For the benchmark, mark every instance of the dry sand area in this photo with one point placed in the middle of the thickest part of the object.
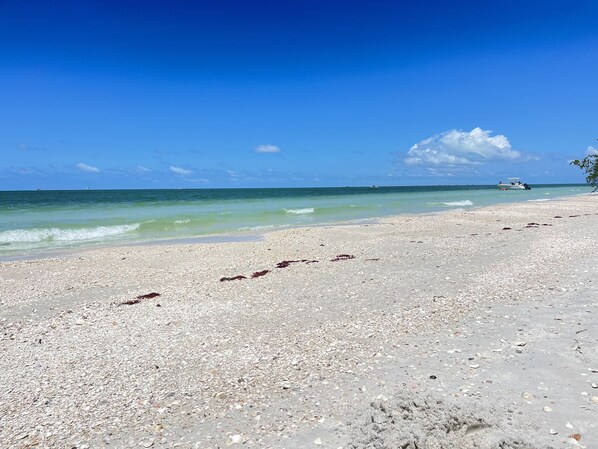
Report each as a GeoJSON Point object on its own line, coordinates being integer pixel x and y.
{"type": "Point", "coordinates": [465, 329]}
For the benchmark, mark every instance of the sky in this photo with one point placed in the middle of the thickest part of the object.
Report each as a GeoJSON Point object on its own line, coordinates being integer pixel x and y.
{"type": "Point", "coordinates": [295, 93]}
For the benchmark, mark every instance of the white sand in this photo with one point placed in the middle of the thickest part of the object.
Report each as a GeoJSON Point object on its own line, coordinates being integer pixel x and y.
{"type": "Point", "coordinates": [490, 334]}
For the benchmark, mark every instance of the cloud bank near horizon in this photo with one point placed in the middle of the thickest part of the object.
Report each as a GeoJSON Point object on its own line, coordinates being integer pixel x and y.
{"type": "Point", "coordinates": [267, 149]}
{"type": "Point", "coordinates": [457, 150]}
{"type": "Point", "coordinates": [87, 168]}
{"type": "Point", "coordinates": [179, 170]}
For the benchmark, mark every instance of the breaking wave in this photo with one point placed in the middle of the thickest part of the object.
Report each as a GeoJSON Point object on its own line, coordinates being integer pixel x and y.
{"type": "Point", "coordinates": [64, 235]}
{"type": "Point", "coordinates": [459, 203]}
{"type": "Point", "coordinates": [306, 210]}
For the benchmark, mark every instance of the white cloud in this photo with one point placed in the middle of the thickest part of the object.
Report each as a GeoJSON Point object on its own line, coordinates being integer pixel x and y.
{"type": "Point", "coordinates": [591, 150]}
{"type": "Point", "coordinates": [180, 170]}
{"type": "Point", "coordinates": [462, 149]}
{"type": "Point", "coordinates": [87, 168]}
{"type": "Point", "coordinates": [267, 149]}
{"type": "Point", "coordinates": [142, 169]}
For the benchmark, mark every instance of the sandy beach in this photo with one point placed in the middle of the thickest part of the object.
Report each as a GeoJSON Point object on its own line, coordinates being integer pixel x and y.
{"type": "Point", "coordinates": [464, 329]}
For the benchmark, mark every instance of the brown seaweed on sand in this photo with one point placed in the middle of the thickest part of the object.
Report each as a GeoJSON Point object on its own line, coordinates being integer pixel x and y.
{"type": "Point", "coordinates": [506, 228]}
{"type": "Point", "coordinates": [138, 299]}
{"type": "Point", "coordinates": [286, 263]}
{"type": "Point", "coordinates": [234, 278]}
{"type": "Point", "coordinates": [258, 274]}
{"type": "Point", "coordinates": [148, 295]}
{"type": "Point", "coordinates": [343, 257]}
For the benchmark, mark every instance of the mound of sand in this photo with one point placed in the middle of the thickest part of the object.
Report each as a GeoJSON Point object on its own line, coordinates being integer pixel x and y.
{"type": "Point", "coordinates": [412, 422]}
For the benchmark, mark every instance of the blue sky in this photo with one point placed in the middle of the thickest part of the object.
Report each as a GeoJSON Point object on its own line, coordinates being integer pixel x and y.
{"type": "Point", "coordinates": [142, 94]}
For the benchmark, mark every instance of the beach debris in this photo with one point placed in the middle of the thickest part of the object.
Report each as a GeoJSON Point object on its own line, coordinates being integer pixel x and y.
{"type": "Point", "coordinates": [342, 257]}
{"type": "Point", "coordinates": [546, 224]}
{"type": "Point", "coordinates": [575, 436]}
{"type": "Point", "coordinates": [318, 441]}
{"type": "Point", "coordinates": [149, 295]}
{"type": "Point", "coordinates": [258, 274]}
{"type": "Point", "coordinates": [506, 228]}
{"type": "Point", "coordinates": [547, 408]}
{"type": "Point", "coordinates": [533, 224]}
{"type": "Point", "coordinates": [373, 259]}
{"type": "Point", "coordinates": [528, 396]}
{"type": "Point", "coordinates": [234, 278]}
{"type": "Point", "coordinates": [236, 439]}
{"type": "Point", "coordinates": [594, 384]}
{"type": "Point", "coordinates": [552, 432]}
{"type": "Point", "coordinates": [138, 299]}
{"type": "Point", "coordinates": [569, 425]}
{"type": "Point", "coordinates": [573, 216]}
{"type": "Point", "coordinates": [594, 399]}
{"type": "Point", "coordinates": [286, 263]}
{"type": "Point", "coordinates": [557, 216]}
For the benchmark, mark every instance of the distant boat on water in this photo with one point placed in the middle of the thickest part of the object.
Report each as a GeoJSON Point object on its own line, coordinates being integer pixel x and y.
{"type": "Point", "coordinates": [513, 184]}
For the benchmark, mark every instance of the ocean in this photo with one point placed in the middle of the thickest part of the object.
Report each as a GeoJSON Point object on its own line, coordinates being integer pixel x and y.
{"type": "Point", "coordinates": [34, 223]}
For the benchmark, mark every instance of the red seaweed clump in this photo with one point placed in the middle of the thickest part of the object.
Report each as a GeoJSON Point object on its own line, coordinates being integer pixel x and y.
{"type": "Point", "coordinates": [148, 295]}
{"type": "Point", "coordinates": [234, 278]}
{"type": "Point", "coordinates": [138, 299]}
{"type": "Point", "coordinates": [286, 263]}
{"type": "Point", "coordinates": [343, 257]}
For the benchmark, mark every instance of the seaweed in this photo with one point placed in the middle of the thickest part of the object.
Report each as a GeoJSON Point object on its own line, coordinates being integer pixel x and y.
{"type": "Point", "coordinates": [286, 263]}
{"type": "Point", "coordinates": [138, 299]}
{"type": "Point", "coordinates": [148, 295]}
{"type": "Point", "coordinates": [234, 278]}
{"type": "Point", "coordinates": [342, 257]}
{"type": "Point", "coordinates": [258, 274]}
{"type": "Point", "coordinates": [506, 228]}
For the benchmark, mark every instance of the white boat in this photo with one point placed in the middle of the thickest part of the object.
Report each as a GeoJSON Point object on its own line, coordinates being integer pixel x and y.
{"type": "Point", "coordinates": [513, 184]}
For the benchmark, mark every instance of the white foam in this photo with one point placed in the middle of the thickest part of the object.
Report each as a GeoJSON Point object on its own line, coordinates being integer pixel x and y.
{"type": "Point", "coordinates": [307, 210]}
{"type": "Point", "coordinates": [540, 199]}
{"type": "Point", "coordinates": [181, 221]}
{"type": "Point", "coordinates": [63, 235]}
{"type": "Point", "coordinates": [458, 203]}
{"type": "Point", "coordinates": [256, 228]}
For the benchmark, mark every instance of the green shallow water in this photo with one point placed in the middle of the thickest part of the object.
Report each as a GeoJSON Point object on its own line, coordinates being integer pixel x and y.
{"type": "Point", "coordinates": [37, 221]}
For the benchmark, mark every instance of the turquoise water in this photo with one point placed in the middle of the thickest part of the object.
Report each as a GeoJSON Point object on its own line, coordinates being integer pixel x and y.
{"type": "Point", "coordinates": [37, 221]}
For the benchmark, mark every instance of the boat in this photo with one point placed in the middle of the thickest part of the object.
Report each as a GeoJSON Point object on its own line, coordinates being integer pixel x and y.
{"type": "Point", "coordinates": [513, 184]}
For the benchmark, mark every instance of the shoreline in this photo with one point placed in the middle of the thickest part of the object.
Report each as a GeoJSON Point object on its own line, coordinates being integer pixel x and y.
{"type": "Point", "coordinates": [295, 357]}
{"type": "Point", "coordinates": [243, 235]}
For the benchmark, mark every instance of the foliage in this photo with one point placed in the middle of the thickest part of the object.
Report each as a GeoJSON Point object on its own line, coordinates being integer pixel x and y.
{"type": "Point", "coordinates": [589, 165]}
